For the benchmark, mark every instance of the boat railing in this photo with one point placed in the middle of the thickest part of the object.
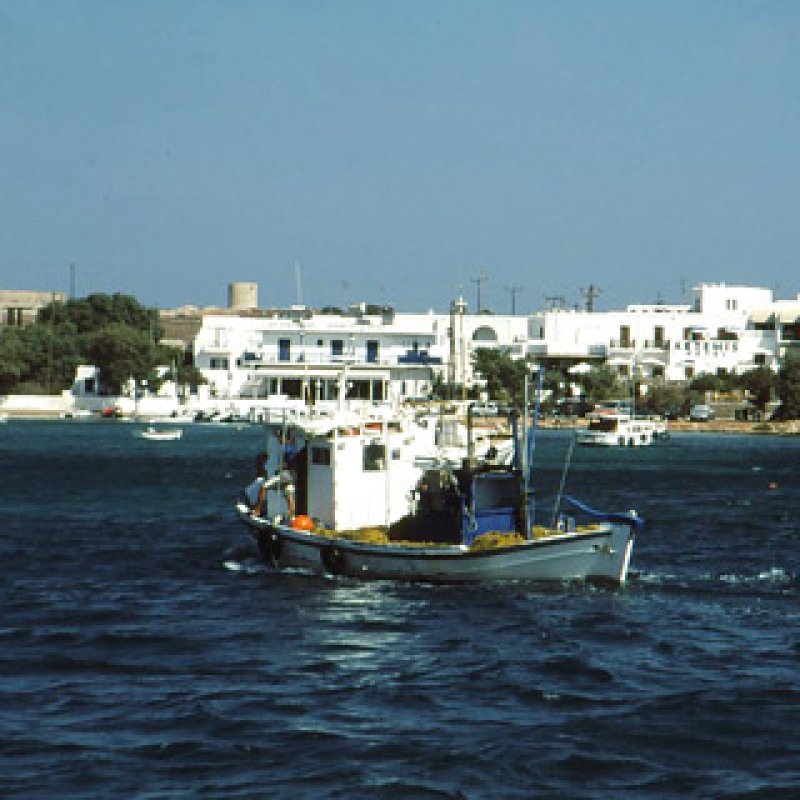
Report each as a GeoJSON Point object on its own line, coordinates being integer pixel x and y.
{"type": "Point", "coordinates": [626, 517]}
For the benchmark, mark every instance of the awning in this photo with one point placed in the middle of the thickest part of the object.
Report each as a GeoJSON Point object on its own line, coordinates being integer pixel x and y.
{"type": "Point", "coordinates": [760, 317]}
{"type": "Point", "coordinates": [580, 369]}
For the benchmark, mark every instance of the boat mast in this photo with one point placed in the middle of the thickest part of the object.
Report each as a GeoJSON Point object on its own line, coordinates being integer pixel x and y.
{"type": "Point", "coordinates": [529, 443]}
{"type": "Point", "coordinates": [526, 528]}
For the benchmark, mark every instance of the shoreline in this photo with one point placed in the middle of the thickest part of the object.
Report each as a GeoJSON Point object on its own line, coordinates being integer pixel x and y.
{"type": "Point", "coordinates": [789, 428]}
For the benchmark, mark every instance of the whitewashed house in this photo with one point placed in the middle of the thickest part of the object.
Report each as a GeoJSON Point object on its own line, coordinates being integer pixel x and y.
{"type": "Point", "coordinates": [674, 342]}
{"type": "Point", "coordinates": [299, 354]}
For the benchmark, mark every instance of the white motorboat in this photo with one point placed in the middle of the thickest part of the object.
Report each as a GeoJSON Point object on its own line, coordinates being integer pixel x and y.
{"type": "Point", "coordinates": [156, 435]}
{"type": "Point", "coordinates": [610, 429]}
{"type": "Point", "coordinates": [368, 506]}
{"type": "Point", "coordinates": [76, 413]}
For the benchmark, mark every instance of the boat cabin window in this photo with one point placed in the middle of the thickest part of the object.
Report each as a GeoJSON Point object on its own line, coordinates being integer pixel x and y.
{"type": "Point", "coordinates": [321, 455]}
{"type": "Point", "coordinates": [605, 425]}
{"type": "Point", "coordinates": [496, 492]}
{"type": "Point", "coordinates": [374, 457]}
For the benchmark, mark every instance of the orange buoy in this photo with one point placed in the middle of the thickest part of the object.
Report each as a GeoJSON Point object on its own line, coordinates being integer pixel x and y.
{"type": "Point", "coordinates": [302, 523]}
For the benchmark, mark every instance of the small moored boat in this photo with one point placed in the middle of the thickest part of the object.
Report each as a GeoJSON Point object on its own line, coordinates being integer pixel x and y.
{"type": "Point", "coordinates": [610, 429]}
{"type": "Point", "coordinates": [156, 435]}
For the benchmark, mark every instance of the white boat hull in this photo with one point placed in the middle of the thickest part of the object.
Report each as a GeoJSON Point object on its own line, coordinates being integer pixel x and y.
{"type": "Point", "coordinates": [602, 554]}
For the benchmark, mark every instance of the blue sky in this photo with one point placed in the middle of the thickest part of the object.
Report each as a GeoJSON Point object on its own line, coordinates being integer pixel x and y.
{"type": "Point", "coordinates": [395, 149]}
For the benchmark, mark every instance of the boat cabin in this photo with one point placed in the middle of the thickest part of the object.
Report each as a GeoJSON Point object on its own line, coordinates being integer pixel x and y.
{"type": "Point", "coordinates": [351, 475]}
{"type": "Point", "coordinates": [456, 506]}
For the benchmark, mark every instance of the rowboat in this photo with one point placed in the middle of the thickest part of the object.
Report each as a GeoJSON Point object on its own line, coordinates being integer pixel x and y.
{"type": "Point", "coordinates": [156, 435]}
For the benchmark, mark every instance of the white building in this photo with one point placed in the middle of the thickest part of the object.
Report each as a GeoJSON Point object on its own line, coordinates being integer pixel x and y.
{"type": "Point", "coordinates": [676, 342]}
{"type": "Point", "coordinates": [299, 355]}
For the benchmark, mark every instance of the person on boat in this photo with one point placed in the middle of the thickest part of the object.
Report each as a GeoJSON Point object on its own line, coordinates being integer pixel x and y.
{"type": "Point", "coordinates": [288, 465]}
{"type": "Point", "coordinates": [257, 491]}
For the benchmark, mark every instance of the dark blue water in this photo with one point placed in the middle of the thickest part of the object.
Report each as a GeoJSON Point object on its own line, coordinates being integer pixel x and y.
{"type": "Point", "coordinates": [145, 653]}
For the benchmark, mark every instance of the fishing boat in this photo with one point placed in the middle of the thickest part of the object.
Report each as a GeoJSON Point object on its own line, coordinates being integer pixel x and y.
{"type": "Point", "coordinates": [370, 504]}
{"type": "Point", "coordinates": [156, 435]}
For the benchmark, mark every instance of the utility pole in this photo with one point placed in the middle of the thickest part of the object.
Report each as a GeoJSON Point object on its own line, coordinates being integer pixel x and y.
{"type": "Point", "coordinates": [479, 280]}
{"type": "Point", "coordinates": [513, 290]}
{"type": "Point", "coordinates": [297, 281]}
{"type": "Point", "coordinates": [590, 294]}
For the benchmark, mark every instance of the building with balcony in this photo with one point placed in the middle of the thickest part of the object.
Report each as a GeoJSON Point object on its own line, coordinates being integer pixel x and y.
{"type": "Point", "coordinates": [673, 342]}
{"type": "Point", "coordinates": [300, 354]}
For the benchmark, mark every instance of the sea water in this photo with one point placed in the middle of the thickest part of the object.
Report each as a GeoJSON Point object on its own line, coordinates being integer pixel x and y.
{"type": "Point", "coordinates": [145, 652]}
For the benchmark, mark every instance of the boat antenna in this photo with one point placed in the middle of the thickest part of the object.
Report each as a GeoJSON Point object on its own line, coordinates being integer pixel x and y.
{"type": "Point", "coordinates": [560, 492]}
{"type": "Point", "coordinates": [526, 528]}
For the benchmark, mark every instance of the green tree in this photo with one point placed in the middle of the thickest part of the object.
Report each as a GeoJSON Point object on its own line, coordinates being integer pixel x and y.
{"type": "Point", "coordinates": [705, 383]}
{"type": "Point", "coordinates": [789, 387]}
{"type": "Point", "coordinates": [663, 397]}
{"type": "Point", "coordinates": [122, 352]}
{"type": "Point", "coordinates": [505, 377]}
{"type": "Point", "coordinates": [88, 314]}
{"type": "Point", "coordinates": [13, 363]}
{"type": "Point", "coordinates": [599, 384]}
{"type": "Point", "coordinates": [760, 383]}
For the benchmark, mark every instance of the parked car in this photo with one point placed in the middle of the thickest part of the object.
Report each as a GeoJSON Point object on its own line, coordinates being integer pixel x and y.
{"type": "Point", "coordinates": [701, 413]}
{"type": "Point", "coordinates": [488, 409]}
{"type": "Point", "coordinates": [572, 408]}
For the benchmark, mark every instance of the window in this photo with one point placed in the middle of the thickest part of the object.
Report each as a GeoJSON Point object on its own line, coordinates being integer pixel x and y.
{"type": "Point", "coordinates": [372, 351]}
{"type": "Point", "coordinates": [284, 350]}
{"type": "Point", "coordinates": [321, 456]}
{"type": "Point", "coordinates": [14, 317]}
{"type": "Point", "coordinates": [374, 457]}
{"type": "Point", "coordinates": [624, 336]}
{"type": "Point", "coordinates": [760, 359]}
{"type": "Point", "coordinates": [337, 348]}
{"type": "Point", "coordinates": [219, 363]}
{"type": "Point", "coordinates": [292, 387]}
